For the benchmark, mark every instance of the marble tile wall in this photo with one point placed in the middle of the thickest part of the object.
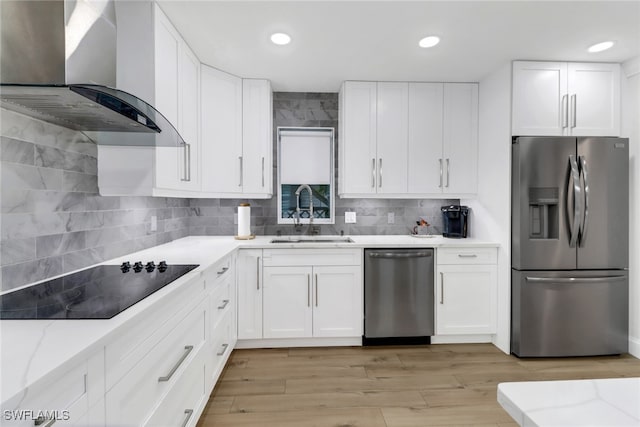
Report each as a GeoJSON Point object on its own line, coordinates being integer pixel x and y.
{"type": "Point", "coordinates": [52, 219]}
{"type": "Point", "coordinates": [216, 217]}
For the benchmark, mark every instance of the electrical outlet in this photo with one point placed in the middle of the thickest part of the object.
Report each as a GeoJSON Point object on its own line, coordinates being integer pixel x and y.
{"type": "Point", "coordinates": [391, 218]}
{"type": "Point", "coordinates": [154, 223]}
{"type": "Point", "coordinates": [349, 217]}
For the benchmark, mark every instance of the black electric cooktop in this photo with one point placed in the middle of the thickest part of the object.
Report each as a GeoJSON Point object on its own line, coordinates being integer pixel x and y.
{"type": "Point", "coordinates": [96, 293]}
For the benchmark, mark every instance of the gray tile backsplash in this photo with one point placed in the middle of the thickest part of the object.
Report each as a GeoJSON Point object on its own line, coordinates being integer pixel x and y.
{"type": "Point", "coordinates": [216, 217]}
{"type": "Point", "coordinates": [52, 219]}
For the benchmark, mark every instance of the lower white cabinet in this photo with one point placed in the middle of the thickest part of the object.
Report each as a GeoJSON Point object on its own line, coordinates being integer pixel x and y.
{"type": "Point", "coordinates": [305, 296]}
{"type": "Point", "coordinates": [249, 294]}
{"type": "Point", "coordinates": [466, 291]}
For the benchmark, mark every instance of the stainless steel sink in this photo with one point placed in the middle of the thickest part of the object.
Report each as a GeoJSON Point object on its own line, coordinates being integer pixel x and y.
{"type": "Point", "coordinates": [318, 239]}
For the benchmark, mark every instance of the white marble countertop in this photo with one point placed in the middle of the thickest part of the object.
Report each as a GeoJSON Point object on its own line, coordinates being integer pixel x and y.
{"type": "Point", "coordinates": [600, 402]}
{"type": "Point", "coordinates": [34, 349]}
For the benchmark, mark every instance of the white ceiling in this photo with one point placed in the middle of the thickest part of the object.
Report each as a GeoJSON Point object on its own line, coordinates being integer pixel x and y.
{"type": "Point", "coordinates": [378, 40]}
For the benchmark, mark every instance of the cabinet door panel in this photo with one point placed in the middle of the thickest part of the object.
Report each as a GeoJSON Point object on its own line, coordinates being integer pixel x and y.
{"type": "Point", "coordinates": [287, 309]}
{"type": "Point", "coordinates": [594, 91]}
{"type": "Point", "coordinates": [189, 119]}
{"type": "Point", "coordinates": [392, 137]}
{"type": "Point", "coordinates": [221, 131]}
{"type": "Point", "coordinates": [358, 146]}
{"type": "Point", "coordinates": [539, 98]}
{"type": "Point", "coordinates": [460, 162]}
{"type": "Point", "coordinates": [425, 137]}
{"type": "Point", "coordinates": [257, 136]}
{"type": "Point", "coordinates": [466, 299]}
{"type": "Point", "coordinates": [250, 294]}
{"type": "Point", "coordinates": [337, 301]}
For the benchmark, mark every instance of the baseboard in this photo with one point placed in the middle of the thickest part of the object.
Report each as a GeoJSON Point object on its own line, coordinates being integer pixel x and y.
{"type": "Point", "coordinates": [634, 347]}
{"type": "Point", "coordinates": [300, 342]}
{"type": "Point", "coordinates": [461, 339]}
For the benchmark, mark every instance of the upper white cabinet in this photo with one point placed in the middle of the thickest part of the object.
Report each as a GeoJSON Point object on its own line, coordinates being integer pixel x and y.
{"type": "Point", "coordinates": [166, 76]}
{"type": "Point", "coordinates": [560, 98]}
{"type": "Point", "coordinates": [236, 125]}
{"type": "Point", "coordinates": [443, 138]}
{"type": "Point", "coordinates": [408, 139]}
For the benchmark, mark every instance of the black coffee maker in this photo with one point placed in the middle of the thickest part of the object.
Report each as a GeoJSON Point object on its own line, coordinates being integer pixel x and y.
{"type": "Point", "coordinates": [456, 221]}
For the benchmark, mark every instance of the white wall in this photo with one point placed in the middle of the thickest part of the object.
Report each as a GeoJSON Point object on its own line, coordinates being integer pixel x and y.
{"type": "Point", "coordinates": [491, 211]}
{"type": "Point", "coordinates": [630, 90]}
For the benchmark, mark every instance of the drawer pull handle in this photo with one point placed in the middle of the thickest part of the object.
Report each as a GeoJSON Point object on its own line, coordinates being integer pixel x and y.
{"type": "Point", "coordinates": [467, 256]}
{"type": "Point", "coordinates": [41, 420]}
{"type": "Point", "coordinates": [188, 413]}
{"type": "Point", "coordinates": [224, 270]}
{"type": "Point", "coordinates": [224, 350]}
{"type": "Point", "coordinates": [224, 304]}
{"type": "Point", "coordinates": [187, 350]}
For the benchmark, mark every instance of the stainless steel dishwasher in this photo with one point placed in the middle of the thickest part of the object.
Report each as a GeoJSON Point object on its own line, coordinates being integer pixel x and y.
{"type": "Point", "coordinates": [398, 296]}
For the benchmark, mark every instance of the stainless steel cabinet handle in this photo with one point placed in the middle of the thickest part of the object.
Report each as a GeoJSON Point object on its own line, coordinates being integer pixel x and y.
{"type": "Point", "coordinates": [440, 161]}
{"type": "Point", "coordinates": [263, 172]}
{"type": "Point", "coordinates": [241, 172]}
{"type": "Point", "coordinates": [188, 162]}
{"type": "Point", "coordinates": [225, 302]}
{"type": "Point", "coordinates": [373, 173]}
{"type": "Point", "coordinates": [577, 201]}
{"type": "Point", "coordinates": [585, 218]}
{"type": "Point", "coordinates": [573, 110]}
{"type": "Point", "coordinates": [380, 172]}
{"type": "Point", "coordinates": [316, 290]}
{"type": "Point", "coordinates": [565, 111]}
{"type": "Point", "coordinates": [575, 279]}
{"type": "Point", "coordinates": [187, 349]}
{"type": "Point", "coordinates": [41, 420]}
{"type": "Point", "coordinates": [224, 270]}
{"type": "Point", "coordinates": [447, 174]}
{"type": "Point", "coordinates": [308, 290]}
{"type": "Point", "coordinates": [441, 288]}
{"type": "Point", "coordinates": [188, 413]}
{"type": "Point", "coordinates": [399, 254]}
{"type": "Point", "coordinates": [467, 256]}
{"type": "Point", "coordinates": [258, 273]}
{"type": "Point", "coordinates": [224, 350]}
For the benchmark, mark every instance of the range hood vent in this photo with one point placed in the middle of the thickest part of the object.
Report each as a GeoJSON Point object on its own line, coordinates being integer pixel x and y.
{"type": "Point", "coordinates": [51, 60]}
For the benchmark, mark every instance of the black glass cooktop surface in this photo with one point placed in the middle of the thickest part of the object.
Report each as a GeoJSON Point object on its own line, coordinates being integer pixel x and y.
{"type": "Point", "coordinates": [96, 293]}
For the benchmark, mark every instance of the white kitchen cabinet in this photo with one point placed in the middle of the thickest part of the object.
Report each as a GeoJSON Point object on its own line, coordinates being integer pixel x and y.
{"type": "Point", "coordinates": [466, 291]}
{"type": "Point", "coordinates": [250, 294]}
{"type": "Point", "coordinates": [560, 98]}
{"type": "Point", "coordinates": [257, 138]}
{"type": "Point", "coordinates": [167, 77]}
{"type": "Point", "coordinates": [357, 159]}
{"type": "Point", "coordinates": [423, 143]}
{"type": "Point", "coordinates": [443, 138]}
{"type": "Point", "coordinates": [221, 122]}
{"type": "Point", "coordinates": [312, 293]}
{"type": "Point", "coordinates": [392, 133]}
{"type": "Point", "coordinates": [236, 136]}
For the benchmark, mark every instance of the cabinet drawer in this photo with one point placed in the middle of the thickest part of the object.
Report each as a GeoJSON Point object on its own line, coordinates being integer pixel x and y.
{"type": "Point", "coordinates": [131, 346]}
{"type": "Point", "coordinates": [223, 342]}
{"type": "Point", "coordinates": [131, 400]}
{"type": "Point", "coordinates": [300, 257]}
{"type": "Point", "coordinates": [183, 404]}
{"type": "Point", "coordinates": [463, 255]}
{"type": "Point", "coordinates": [64, 398]}
{"type": "Point", "coordinates": [219, 272]}
{"type": "Point", "coordinates": [222, 301]}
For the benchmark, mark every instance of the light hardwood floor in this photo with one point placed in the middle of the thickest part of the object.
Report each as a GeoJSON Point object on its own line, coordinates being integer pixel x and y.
{"type": "Point", "coordinates": [434, 385]}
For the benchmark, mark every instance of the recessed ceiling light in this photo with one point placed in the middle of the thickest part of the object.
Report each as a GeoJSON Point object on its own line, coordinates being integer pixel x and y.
{"type": "Point", "coordinates": [599, 47]}
{"type": "Point", "coordinates": [429, 41]}
{"type": "Point", "coordinates": [280, 38]}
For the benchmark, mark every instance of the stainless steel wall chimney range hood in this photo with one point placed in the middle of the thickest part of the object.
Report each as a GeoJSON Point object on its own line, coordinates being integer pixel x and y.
{"type": "Point", "coordinates": [58, 65]}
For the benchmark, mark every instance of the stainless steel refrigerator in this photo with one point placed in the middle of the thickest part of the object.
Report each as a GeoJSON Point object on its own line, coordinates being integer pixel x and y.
{"type": "Point", "coordinates": [570, 240]}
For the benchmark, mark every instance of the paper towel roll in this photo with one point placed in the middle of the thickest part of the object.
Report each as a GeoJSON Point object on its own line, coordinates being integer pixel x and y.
{"type": "Point", "coordinates": [244, 220]}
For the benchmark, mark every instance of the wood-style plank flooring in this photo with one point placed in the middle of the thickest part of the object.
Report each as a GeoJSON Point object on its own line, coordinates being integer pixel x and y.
{"type": "Point", "coordinates": [434, 385]}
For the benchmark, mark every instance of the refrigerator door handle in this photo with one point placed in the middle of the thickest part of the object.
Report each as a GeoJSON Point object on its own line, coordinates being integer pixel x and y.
{"type": "Point", "coordinates": [574, 181]}
{"type": "Point", "coordinates": [585, 219]}
{"type": "Point", "coordinates": [575, 279]}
